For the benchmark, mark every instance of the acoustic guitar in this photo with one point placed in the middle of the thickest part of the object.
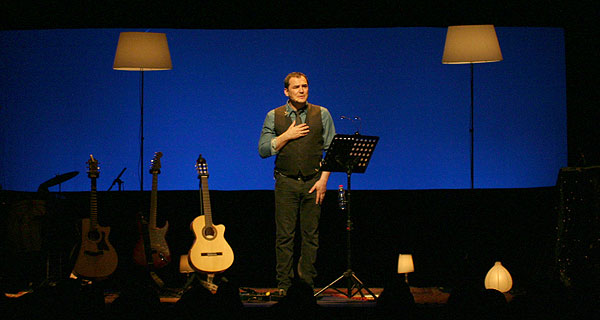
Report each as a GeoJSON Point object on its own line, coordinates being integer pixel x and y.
{"type": "Point", "coordinates": [152, 248]}
{"type": "Point", "coordinates": [97, 258]}
{"type": "Point", "coordinates": [210, 253]}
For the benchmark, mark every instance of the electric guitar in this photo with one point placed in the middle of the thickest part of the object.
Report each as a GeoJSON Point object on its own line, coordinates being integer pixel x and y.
{"type": "Point", "coordinates": [97, 258]}
{"type": "Point", "coordinates": [210, 253]}
{"type": "Point", "coordinates": [152, 248]}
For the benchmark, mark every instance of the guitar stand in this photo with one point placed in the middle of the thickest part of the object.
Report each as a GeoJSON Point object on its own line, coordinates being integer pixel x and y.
{"type": "Point", "coordinates": [191, 277]}
{"type": "Point", "coordinates": [349, 153]}
{"type": "Point", "coordinates": [205, 279]}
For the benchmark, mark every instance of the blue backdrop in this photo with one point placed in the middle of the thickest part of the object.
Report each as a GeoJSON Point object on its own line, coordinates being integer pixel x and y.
{"type": "Point", "coordinates": [61, 101]}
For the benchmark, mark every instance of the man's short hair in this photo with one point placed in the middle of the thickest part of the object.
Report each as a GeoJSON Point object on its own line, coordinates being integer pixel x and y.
{"type": "Point", "coordinates": [286, 81]}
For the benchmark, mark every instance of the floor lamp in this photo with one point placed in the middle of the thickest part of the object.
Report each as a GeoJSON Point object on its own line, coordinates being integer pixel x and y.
{"type": "Point", "coordinates": [405, 265]}
{"type": "Point", "coordinates": [142, 51]}
{"type": "Point", "coordinates": [469, 45]}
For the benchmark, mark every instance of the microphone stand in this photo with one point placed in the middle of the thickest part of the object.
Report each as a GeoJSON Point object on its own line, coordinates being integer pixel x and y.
{"type": "Point", "coordinates": [118, 180]}
{"type": "Point", "coordinates": [355, 118]}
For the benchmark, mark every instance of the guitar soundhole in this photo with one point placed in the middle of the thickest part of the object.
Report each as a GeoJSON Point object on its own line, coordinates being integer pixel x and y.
{"type": "Point", "coordinates": [94, 235]}
{"type": "Point", "coordinates": [209, 233]}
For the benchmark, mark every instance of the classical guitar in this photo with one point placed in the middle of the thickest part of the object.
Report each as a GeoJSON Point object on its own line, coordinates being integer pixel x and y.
{"type": "Point", "coordinates": [152, 248]}
{"type": "Point", "coordinates": [210, 253]}
{"type": "Point", "coordinates": [97, 258]}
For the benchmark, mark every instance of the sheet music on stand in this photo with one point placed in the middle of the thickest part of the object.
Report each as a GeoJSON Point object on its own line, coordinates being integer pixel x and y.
{"type": "Point", "coordinates": [349, 153]}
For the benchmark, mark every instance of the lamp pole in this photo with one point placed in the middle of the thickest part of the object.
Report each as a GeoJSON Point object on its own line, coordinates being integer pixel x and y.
{"type": "Point", "coordinates": [142, 129]}
{"type": "Point", "coordinates": [472, 132]}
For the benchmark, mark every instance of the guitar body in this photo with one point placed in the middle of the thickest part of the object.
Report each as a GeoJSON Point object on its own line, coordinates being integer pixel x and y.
{"type": "Point", "coordinates": [97, 258]}
{"type": "Point", "coordinates": [210, 253]}
{"type": "Point", "coordinates": [161, 256]}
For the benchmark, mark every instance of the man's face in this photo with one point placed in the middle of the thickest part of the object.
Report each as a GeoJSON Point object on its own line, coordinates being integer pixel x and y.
{"type": "Point", "coordinates": [297, 91]}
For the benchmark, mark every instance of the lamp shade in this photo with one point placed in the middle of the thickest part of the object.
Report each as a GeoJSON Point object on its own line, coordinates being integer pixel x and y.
{"type": "Point", "coordinates": [405, 263]}
{"type": "Point", "coordinates": [142, 51]}
{"type": "Point", "coordinates": [471, 44]}
{"type": "Point", "coordinates": [498, 278]}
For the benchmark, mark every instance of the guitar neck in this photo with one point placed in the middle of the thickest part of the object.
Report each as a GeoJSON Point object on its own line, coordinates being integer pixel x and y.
{"type": "Point", "coordinates": [93, 205]}
{"type": "Point", "coordinates": [153, 200]}
{"type": "Point", "coordinates": [205, 200]}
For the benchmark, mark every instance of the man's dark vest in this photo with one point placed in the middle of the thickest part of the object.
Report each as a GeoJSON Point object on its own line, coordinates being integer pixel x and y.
{"type": "Point", "coordinates": [302, 155]}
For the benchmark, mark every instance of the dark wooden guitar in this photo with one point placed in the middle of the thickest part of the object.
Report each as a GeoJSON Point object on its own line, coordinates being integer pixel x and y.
{"type": "Point", "coordinates": [97, 258]}
{"type": "Point", "coordinates": [153, 237]}
{"type": "Point", "coordinates": [210, 253]}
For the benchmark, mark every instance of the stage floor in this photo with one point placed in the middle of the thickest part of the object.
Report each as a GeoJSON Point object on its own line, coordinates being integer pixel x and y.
{"type": "Point", "coordinates": [430, 302]}
{"type": "Point", "coordinates": [262, 297]}
{"type": "Point", "coordinates": [265, 297]}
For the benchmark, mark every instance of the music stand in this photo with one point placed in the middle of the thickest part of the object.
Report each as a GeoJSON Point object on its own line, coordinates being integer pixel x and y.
{"type": "Point", "coordinates": [349, 154]}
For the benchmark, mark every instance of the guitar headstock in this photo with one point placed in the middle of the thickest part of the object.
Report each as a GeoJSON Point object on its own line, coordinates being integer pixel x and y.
{"type": "Point", "coordinates": [155, 168]}
{"type": "Point", "coordinates": [93, 169]}
{"type": "Point", "coordinates": [201, 167]}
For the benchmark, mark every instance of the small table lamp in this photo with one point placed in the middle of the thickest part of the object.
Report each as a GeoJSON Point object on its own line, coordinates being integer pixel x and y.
{"type": "Point", "coordinates": [405, 265]}
{"type": "Point", "coordinates": [498, 278]}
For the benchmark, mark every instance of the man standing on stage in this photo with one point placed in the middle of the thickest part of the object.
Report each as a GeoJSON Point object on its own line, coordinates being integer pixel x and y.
{"type": "Point", "coordinates": [297, 133]}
